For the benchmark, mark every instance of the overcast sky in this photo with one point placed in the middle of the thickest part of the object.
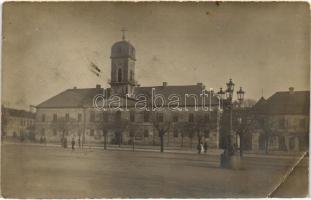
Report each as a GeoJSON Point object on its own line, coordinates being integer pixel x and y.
{"type": "Point", "coordinates": [48, 47]}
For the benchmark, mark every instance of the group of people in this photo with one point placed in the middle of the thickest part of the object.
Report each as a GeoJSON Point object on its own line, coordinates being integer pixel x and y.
{"type": "Point", "coordinates": [202, 147]}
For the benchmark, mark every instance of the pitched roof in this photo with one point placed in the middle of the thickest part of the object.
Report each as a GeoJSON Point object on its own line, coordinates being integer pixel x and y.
{"type": "Point", "coordinates": [258, 107]}
{"type": "Point", "coordinates": [179, 90]}
{"type": "Point", "coordinates": [71, 98]}
{"type": "Point", "coordinates": [18, 113]}
{"type": "Point", "coordinates": [74, 98]}
{"type": "Point", "coordinates": [297, 102]}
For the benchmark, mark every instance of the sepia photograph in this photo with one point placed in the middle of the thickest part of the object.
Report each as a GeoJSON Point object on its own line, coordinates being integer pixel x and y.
{"type": "Point", "coordinates": [155, 100]}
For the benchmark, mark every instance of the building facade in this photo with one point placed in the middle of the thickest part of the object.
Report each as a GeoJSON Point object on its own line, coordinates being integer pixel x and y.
{"type": "Point", "coordinates": [17, 123]}
{"type": "Point", "coordinates": [283, 121]}
{"type": "Point", "coordinates": [126, 113]}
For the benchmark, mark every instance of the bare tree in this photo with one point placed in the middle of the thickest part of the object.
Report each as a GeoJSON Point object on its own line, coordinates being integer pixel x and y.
{"type": "Point", "coordinates": [63, 125]}
{"type": "Point", "coordinates": [266, 126]}
{"type": "Point", "coordinates": [161, 126]}
{"type": "Point", "coordinates": [133, 129]}
{"type": "Point", "coordinates": [244, 123]}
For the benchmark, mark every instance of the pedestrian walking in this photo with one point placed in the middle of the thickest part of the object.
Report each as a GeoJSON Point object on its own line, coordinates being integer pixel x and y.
{"type": "Point", "coordinates": [73, 143]}
{"type": "Point", "coordinates": [202, 148]}
{"type": "Point", "coordinates": [205, 147]}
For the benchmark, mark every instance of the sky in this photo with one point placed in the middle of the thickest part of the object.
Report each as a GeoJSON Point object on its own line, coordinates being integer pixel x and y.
{"type": "Point", "coordinates": [48, 47]}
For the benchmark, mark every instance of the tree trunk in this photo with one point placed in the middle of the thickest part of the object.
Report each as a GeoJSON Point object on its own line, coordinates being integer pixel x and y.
{"type": "Point", "coordinates": [133, 142]}
{"type": "Point", "coordinates": [105, 140]}
{"type": "Point", "coordinates": [161, 141]}
{"type": "Point", "coordinates": [119, 139]}
{"type": "Point", "coordinates": [241, 145]}
{"type": "Point", "coordinates": [267, 145]}
{"type": "Point", "coordinates": [168, 138]}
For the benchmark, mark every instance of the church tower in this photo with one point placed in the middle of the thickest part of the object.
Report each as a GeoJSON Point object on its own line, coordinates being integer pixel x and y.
{"type": "Point", "coordinates": [122, 68]}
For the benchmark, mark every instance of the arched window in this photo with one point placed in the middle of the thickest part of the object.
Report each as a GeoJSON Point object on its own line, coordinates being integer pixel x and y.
{"type": "Point", "coordinates": [131, 75]}
{"type": "Point", "coordinates": [119, 75]}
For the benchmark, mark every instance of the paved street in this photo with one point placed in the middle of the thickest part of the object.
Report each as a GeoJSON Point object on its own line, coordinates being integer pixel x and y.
{"type": "Point", "coordinates": [53, 172]}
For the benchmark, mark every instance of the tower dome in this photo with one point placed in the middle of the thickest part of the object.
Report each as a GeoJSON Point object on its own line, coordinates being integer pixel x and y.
{"type": "Point", "coordinates": [122, 49]}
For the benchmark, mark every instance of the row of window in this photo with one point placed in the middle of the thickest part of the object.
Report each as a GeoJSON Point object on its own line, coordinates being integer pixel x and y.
{"type": "Point", "coordinates": [146, 117]}
{"type": "Point", "coordinates": [67, 117]}
{"type": "Point", "coordinates": [285, 123]}
{"type": "Point", "coordinates": [25, 122]}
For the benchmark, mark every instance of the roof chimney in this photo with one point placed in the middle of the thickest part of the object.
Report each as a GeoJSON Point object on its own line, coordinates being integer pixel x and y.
{"type": "Point", "coordinates": [291, 90]}
{"type": "Point", "coordinates": [201, 85]}
{"type": "Point", "coordinates": [164, 84]}
{"type": "Point", "coordinates": [98, 86]}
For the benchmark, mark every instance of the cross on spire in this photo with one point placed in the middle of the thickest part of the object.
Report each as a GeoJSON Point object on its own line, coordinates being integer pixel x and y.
{"type": "Point", "coordinates": [123, 30]}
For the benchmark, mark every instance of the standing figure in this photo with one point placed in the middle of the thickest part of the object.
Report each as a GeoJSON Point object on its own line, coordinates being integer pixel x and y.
{"type": "Point", "coordinates": [79, 142]}
{"type": "Point", "coordinates": [73, 143]}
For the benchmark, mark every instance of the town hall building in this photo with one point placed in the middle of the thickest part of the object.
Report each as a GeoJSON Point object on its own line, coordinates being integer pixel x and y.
{"type": "Point", "coordinates": [190, 112]}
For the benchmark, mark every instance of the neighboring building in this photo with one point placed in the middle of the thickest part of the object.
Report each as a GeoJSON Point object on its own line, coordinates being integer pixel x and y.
{"type": "Point", "coordinates": [283, 119]}
{"type": "Point", "coordinates": [72, 113]}
{"type": "Point", "coordinates": [17, 123]}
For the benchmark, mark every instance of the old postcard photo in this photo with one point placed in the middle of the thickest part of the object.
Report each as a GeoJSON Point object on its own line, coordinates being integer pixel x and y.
{"type": "Point", "coordinates": [155, 99]}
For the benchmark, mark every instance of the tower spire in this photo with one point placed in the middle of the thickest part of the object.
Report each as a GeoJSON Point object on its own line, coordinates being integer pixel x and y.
{"type": "Point", "coordinates": [123, 30]}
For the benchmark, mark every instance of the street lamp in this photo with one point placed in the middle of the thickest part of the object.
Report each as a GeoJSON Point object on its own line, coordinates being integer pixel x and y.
{"type": "Point", "coordinates": [229, 159]}
{"type": "Point", "coordinates": [230, 89]}
{"type": "Point", "coordinates": [240, 93]}
{"type": "Point", "coordinates": [221, 94]}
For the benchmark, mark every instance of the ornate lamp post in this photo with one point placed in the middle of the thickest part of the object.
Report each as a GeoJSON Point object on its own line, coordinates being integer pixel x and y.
{"type": "Point", "coordinates": [240, 93]}
{"type": "Point", "coordinates": [229, 159]}
{"type": "Point", "coordinates": [221, 94]}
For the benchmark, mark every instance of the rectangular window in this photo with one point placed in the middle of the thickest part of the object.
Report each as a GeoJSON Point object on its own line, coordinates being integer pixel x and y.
{"type": "Point", "coordinates": [146, 133]}
{"type": "Point", "coordinates": [281, 123]}
{"type": "Point", "coordinates": [79, 117]}
{"type": "Point", "coordinates": [118, 116]}
{"type": "Point", "coordinates": [92, 132]}
{"type": "Point", "coordinates": [160, 117]}
{"type": "Point", "coordinates": [191, 117]}
{"type": "Point", "coordinates": [175, 133]}
{"type": "Point", "coordinates": [132, 116]}
{"type": "Point", "coordinates": [67, 116]}
{"type": "Point", "coordinates": [105, 117]}
{"type": "Point", "coordinates": [206, 117]}
{"type": "Point", "coordinates": [302, 123]}
{"type": "Point", "coordinates": [175, 118]}
{"type": "Point", "coordinates": [132, 133]}
{"type": "Point", "coordinates": [92, 116]}
{"type": "Point", "coordinates": [146, 116]}
{"type": "Point", "coordinates": [54, 117]}
{"type": "Point", "coordinates": [206, 133]}
{"type": "Point", "coordinates": [43, 118]}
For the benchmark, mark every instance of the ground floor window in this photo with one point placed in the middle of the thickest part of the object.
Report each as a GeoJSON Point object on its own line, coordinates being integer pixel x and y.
{"type": "Point", "coordinates": [54, 132]}
{"type": "Point", "coordinates": [92, 132]}
{"type": "Point", "coordinates": [146, 133]}
{"type": "Point", "coordinates": [176, 133]}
